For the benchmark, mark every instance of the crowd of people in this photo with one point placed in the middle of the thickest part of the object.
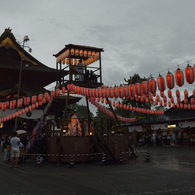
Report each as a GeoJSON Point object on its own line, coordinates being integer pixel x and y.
{"type": "Point", "coordinates": [168, 138]}
{"type": "Point", "coordinates": [14, 148]}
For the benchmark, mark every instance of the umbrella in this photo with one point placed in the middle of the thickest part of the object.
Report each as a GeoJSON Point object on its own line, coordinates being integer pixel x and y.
{"type": "Point", "coordinates": [19, 132]}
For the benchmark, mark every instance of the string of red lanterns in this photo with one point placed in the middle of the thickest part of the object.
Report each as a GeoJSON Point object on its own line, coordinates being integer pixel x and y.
{"type": "Point", "coordinates": [35, 100]}
{"type": "Point", "coordinates": [106, 111]}
{"type": "Point", "coordinates": [128, 91]}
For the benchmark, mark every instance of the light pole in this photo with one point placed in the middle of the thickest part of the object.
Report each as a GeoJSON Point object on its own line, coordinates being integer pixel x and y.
{"type": "Point", "coordinates": [20, 77]}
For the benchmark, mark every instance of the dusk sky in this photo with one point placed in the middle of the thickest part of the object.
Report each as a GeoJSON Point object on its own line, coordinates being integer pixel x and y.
{"type": "Point", "coordinates": [146, 37]}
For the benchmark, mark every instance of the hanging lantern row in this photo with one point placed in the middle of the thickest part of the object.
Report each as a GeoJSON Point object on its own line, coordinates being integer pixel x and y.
{"type": "Point", "coordinates": [85, 62]}
{"type": "Point", "coordinates": [178, 78]}
{"type": "Point", "coordinates": [106, 111]}
{"type": "Point", "coordinates": [128, 91]}
{"type": "Point", "coordinates": [41, 99]}
{"type": "Point", "coordinates": [21, 112]}
{"type": "Point", "coordinates": [131, 108]}
{"type": "Point", "coordinates": [78, 53]}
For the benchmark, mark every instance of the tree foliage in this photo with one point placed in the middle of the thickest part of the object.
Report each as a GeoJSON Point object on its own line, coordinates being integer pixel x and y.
{"type": "Point", "coordinates": [132, 102]}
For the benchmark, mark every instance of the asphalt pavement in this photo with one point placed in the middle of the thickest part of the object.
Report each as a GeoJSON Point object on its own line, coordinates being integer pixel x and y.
{"type": "Point", "coordinates": [157, 170]}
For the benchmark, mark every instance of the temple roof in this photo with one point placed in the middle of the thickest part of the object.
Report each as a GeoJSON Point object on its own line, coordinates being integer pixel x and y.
{"type": "Point", "coordinates": [35, 75]}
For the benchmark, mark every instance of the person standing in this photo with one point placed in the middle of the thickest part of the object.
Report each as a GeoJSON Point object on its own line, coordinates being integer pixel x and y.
{"type": "Point", "coordinates": [80, 69]}
{"type": "Point", "coordinates": [168, 139]}
{"type": "Point", "coordinates": [74, 124]}
{"type": "Point", "coordinates": [7, 147]}
{"type": "Point", "coordinates": [15, 150]}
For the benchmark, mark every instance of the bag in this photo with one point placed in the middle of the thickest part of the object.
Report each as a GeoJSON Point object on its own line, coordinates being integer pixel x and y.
{"type": "Point", "coordinates": [8, 147]}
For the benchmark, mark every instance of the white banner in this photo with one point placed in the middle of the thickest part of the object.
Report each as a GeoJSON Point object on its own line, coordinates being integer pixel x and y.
{"type": "Point", "coordinates": [159, 126]}
{"type": "Point", "coordinates": [187, 124]}
{"type": "Point", "coordinates": [135, 128]}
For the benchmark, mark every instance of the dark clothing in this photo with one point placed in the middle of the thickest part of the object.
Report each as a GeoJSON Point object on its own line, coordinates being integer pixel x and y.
{"type": "Point", "coordinates": [39, 145]}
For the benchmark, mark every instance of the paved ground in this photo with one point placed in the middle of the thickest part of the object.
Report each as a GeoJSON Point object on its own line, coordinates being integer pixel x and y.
{"type": "Point", "coordinates": [171, 171]}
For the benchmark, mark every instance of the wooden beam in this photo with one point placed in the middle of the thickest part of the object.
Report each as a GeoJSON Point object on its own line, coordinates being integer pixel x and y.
{"type": "Point", "coordinates": [65, 111]}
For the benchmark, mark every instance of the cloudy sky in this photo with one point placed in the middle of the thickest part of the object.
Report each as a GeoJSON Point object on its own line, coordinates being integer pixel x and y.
{"type": "Point", "coordinates": [145, 37]}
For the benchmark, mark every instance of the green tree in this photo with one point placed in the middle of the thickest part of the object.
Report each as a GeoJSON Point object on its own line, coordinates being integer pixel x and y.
{"type": "Point", "coordinates": [132, 102]}
{"type": "Point", "coordinates": [81, 111]}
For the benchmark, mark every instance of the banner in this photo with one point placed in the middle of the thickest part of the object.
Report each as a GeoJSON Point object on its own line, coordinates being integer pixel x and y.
{"type": "Point", "coordinates": [159, 126]}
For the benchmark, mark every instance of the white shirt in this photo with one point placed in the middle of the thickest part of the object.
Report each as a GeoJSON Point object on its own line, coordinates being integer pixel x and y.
{"type": "Point", "coordinates": [14, 143]}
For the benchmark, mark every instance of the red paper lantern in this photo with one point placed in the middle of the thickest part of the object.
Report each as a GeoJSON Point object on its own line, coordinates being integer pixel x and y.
{"type": "Point", "coordinates": [58, 92]}
{"type": "Point", "coordinates": [26, 109]}
{"type": "Point", "coordinates": [120, 92]}
{"type": "Point", "coordinates": [131, 90]}
{"type": "Point", "coordinates": [189, 73]}
{"type": "Point", "coordinates": [10, 117]}
{"type": "Point", "coordinates": [11, 105]}
{"type": "Point", "coordinates": [160, 102]}
{"type": "Point", "coordinates": [165, 98]}
{"type": "Point", "coordinates": [23, 111]}
{"type": "Point", "coordinates": [34, 99]}
{"type": "Point", "coordinates": [138, 89]}
{"type": "Point", "coordinates": [172, 100]}
{"type": "Point", "coordinates": [173, 104]}
{"type": "Point", "coordinates": [185, 93]}
{"type": "Point", "coordinates": [33, 106]}
{"type": "Point", "coordinates": [44, 100]}
{"type": "Point", "coordinates": [193, 93]}
{"type": "Point", "coordinates": [179, 77]}
{"type": "Point", "coordinates": [126, 91]}
{"type": "Point", "coordinates": [13, 115]}
{"type": "Point", "coordinates": [178, 100]}
{"type": "Point", "coordinates": [181, 105]}
{"type": "Point", "coordinates": [178, 105]}
{"type": "Point", "coordinates": [142, 99]}
{"type": "Point", "coordinates": [136, 98]}
{"type": "Point", "coordinates": [169, 104]}
{"type": "Point", "coordinates": [157, 98]}
{"type": "Point", "coordinates": [147, 100]}
{"type": "Point", "coordinates": [63, 90]}
{"type": "Point", "coordinates": [189, 106]}
{"type": "Point", "coordinates": [161, 83]}
{"type": "Point", "coordinates": [145, 87]}
{"type": "Point", "coordinates": [177, 93]}
{"type": "Point", "coordinates": [169, 92]}
{"type": "Point", "coordinates": [37, 104]}
{"type": "Point", "coordinates": [170, 80]}
{"type": "Point", "coordinates": [4, 106]}
{"type": "Point", "coordinates": [52, 94]}
{"type": "Point", "coordinates": [115, 92]}
{"type": "Point", "coordinates": [185, 100]}
{"type": "Point", "coordinates": [162, 94]}
{"type": "Point", "coordinates": [26, 101]}
{"type": "Point", "coordinates": [152, 86]}
{"type": "Point", "coordinates": [19, 103]}
{"type": "Point", "coordinates": [192, 100]}
{"type": "Point", "coordinates": [40, 97]}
